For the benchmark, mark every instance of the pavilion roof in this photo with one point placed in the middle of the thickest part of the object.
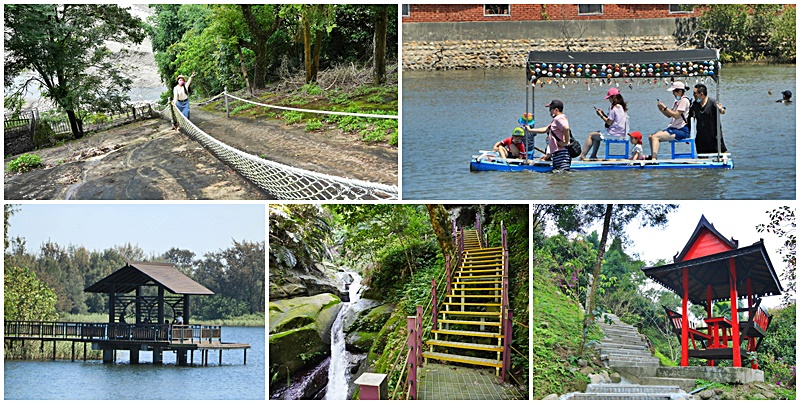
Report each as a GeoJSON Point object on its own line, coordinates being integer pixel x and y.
{"type": "Point", "coordinates": [751, 262]}
{"type": "Point", "coordinates": [705, 234]}
{"type": "Point", "coordinates": [135, 274]}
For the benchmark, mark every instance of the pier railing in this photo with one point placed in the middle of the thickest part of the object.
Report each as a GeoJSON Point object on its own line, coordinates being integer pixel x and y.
{"type": "Point", "coordinates": [51, 330]}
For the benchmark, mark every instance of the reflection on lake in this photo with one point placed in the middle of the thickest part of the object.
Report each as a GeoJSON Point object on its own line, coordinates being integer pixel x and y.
{"type": "Point", "coordinates": [449, 116]}
{"type": "Point", "coordinates": [92, 380]}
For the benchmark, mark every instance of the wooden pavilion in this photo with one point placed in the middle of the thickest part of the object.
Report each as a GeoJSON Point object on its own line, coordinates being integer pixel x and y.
{"type": "Point", "coordinates": [713, 268]}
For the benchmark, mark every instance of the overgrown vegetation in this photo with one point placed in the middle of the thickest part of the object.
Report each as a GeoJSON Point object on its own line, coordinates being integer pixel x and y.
{"type": "Point", "coordinates": [747, 32]}
{"type": "Point", "coordinates": [24, 163]}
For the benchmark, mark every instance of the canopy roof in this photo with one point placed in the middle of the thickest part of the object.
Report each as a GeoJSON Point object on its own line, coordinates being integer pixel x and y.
{"type": "Point", "coordinates": [705, 240]}
{"type": "Point", "coordinates": [691, 55]}
{"type": "Point", "coordinates": [751, 262]}
{"type": "Point", "coordinates": [135, 274]}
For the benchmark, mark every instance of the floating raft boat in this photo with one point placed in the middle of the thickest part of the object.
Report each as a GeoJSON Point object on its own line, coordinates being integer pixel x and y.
{"type": "Point", "coordinates": [489, 161]}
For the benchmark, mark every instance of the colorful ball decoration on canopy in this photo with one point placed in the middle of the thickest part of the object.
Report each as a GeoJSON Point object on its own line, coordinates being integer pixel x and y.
{"type": "Point", "coordinates": [620, 70]}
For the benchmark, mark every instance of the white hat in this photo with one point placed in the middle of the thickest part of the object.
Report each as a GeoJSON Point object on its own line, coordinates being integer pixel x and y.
{"type": "Point", "coordinates": [678, 85]}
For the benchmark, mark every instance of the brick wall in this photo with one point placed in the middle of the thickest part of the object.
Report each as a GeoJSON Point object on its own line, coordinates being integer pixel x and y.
{"type": "Point", "coordinates": [535, 12]}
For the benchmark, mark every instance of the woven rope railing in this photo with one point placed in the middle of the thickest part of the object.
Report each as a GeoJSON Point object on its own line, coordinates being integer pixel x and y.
{"type": "Point", "coordinates": [282, 181]}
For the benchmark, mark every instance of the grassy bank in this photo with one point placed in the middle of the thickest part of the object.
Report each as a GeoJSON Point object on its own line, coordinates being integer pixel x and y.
{"type": "Point", "coordinates": [340, 90]}
{"type": "Point", "coordinates": [35, 350]}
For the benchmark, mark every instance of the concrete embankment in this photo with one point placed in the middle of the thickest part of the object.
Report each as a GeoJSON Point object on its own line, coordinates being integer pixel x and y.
{"type": "Point", "coordinates": [477, 45]}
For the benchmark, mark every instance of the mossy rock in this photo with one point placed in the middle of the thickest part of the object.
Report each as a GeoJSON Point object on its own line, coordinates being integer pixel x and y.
{"type": "Point", "coordinates": [293, 350]}
{"type": "Point", "coordinates": [360, 341]}
{"type": "Point", "coordinates": [289, 313]}
{"type": "Point", "coordinates": [299, 332]}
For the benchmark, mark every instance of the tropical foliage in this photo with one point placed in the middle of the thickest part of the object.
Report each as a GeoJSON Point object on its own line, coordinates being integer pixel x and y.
{"type": "Point", "coordinates": [746, 32]}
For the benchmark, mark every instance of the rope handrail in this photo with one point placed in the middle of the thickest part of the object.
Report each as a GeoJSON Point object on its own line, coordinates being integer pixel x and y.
{"type": "Point", "coordinates": [313, 111]}
{"type": "Point", "coordinates": [280, 180]}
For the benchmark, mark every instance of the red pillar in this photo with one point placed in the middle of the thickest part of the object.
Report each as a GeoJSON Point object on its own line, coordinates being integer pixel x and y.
{"type": "Point", "coordinates": [709, 314]}
{"type": "Point", "coordinates": [751, 342]}
{"type": "Point", "coordinates": [435, 311]}
{"type": "Point", "coordinates": [737, 354]}
{"type": "Point", "coordinates": [685, 320]}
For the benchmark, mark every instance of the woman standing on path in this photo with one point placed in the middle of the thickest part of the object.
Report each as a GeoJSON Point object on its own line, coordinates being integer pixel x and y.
{"type": "Point", "coordinates": [180, 96]}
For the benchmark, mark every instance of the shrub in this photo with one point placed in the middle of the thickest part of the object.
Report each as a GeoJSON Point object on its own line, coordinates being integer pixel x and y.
{"type": "Point", "coordinates": [311, 89]}
{"type": "Point", "coordinates": [313, 124]}
{"type": "Point", "coordinates": [24, 163]}
{"type": "Point", "coordinates": [292, 116]}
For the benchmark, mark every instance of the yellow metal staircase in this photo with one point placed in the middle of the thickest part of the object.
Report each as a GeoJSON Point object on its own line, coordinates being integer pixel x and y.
{"type": "Point", "coordinates": [469, 329]}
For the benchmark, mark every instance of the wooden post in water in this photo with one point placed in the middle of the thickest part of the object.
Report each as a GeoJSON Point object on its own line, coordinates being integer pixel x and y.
{"type": "Point", "coordinates": [134, 356]}
{"type": "Point", "coordinates": [245, 356]}
{"type": "Point", "coordinates": [220, 357]}
{"type": "Point", "coordinates": [84, 352]}
{"type": "Point", "coordinates": [54, 349]}
{"type": "Point", "coordinates": [73, 351]}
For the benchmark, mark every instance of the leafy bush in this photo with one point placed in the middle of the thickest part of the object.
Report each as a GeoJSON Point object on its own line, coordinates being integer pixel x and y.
{"type": "Point", "coordinates": [311, 89]}
{"type": "Point", "coordinates": [44, 136]}
{"type": "Point", "coordinates": [243, 107]}
{"type": "Point", "coordinates": [292, 116]}
{"type": "Point", "coordinates": [24, 163]}
{"type": "Point", "coordinates": [313, 124]}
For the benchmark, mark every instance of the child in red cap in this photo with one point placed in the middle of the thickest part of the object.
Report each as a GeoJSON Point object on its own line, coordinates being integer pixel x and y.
{"type": "Point", "coordinates": [637, 153]}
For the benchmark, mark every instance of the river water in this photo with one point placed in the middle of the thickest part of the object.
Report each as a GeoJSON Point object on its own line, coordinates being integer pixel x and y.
{"type": "Point", "coordinates": [448, 116]}
{"type": "Point", "coordinates": [339, 370]}
{"type": "Point", "coordinates": [92, 380]}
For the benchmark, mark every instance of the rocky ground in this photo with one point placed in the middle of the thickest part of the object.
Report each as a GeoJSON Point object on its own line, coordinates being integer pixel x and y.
{"type": "Point", "coordinates": [142, 160]}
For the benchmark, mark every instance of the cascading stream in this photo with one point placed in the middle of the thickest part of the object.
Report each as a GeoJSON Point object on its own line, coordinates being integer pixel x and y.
{"type": "Point", "coordinates": [338, 372]}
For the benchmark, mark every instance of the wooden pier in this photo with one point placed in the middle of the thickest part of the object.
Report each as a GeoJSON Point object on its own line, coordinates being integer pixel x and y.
{"type": "Point", "coordinates": [182, 339]}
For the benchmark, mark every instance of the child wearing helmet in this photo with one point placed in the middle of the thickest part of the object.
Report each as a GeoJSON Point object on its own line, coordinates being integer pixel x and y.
{"type": "Point", "coordinates": [512, 146]}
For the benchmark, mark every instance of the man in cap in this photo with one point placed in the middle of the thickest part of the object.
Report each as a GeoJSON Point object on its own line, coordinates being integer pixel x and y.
{"type": "Point", "coordinates": [704, 110]}
{"type": "Point", "coordinates": [558, 137]}
{"type": "Point", "coordinates": [180, 96]}
{"type": "Point", "coordinates": [787, 97]}
{"type": "Point", "coordinates": [511, 146]}
{"type": "Point", "coordinates": [679, 115]}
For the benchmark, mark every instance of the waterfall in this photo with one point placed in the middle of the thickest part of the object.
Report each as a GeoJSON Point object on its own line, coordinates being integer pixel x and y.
{"type": "Point", "coordinates": [339, 372]}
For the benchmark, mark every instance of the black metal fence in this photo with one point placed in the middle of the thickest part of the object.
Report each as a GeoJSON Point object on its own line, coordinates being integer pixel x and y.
{"type": "Point", "coordinates": [49, 330]}
{"type": "Point", "coordinates": [28, 130]}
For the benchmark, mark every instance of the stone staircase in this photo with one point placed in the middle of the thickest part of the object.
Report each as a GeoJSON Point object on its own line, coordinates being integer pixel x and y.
{"type": "Point", "coordinates": [626, 351]}
{"type": "Point", "coordinates": [623, 345]}
{"type": "Point", "coordinates": [469, 327]}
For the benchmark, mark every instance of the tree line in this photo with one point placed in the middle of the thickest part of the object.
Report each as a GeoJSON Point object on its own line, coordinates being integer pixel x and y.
{"type": "Point", "coordinates": [238, 46]}
{"type": "Point", "coordinates": [41, 283]}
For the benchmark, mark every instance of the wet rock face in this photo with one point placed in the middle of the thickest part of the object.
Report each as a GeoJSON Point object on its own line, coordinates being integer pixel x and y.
{"type": "Point", "coordinates": [306, 385]}
{"type": "Point", "coordinates": [299, 333]}
{"type": "Point", "coordinates": [362, 331]}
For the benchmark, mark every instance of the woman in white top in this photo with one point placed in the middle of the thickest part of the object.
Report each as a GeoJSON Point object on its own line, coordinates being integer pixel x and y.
{"type": "Point", "coordinates": [615, 121]}
{"type": "Point", "coordinates": [180, 95]}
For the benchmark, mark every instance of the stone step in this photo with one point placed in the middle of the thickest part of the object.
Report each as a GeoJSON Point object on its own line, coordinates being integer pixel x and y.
{"type": "Point", "coordinates": [618, 396]}
{"type": "Point", "coordinates": [631, 389]}
{"type": "Point", "coordinates": [632, 362]}
{"type": "Point", "coordinates": [684, 384]}
{"type": "Point", "coordinates": [620, 331]}
{"type": "Point", "coordinates": [623, 345]}
{"type": "Point", "coordinates": [625, 352]}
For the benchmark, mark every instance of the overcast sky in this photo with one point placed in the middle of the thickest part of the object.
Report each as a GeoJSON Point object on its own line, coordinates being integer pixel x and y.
{"type": "Point", "coordinates": [156, 228]}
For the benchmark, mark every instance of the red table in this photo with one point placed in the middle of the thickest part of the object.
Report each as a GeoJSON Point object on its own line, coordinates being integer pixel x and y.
{"type": "Point", "coordinates": [717, 325]}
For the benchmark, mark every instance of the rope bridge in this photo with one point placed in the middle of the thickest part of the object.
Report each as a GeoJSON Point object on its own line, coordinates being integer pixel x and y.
{"type": "Point", "coordinates": [280, 180]}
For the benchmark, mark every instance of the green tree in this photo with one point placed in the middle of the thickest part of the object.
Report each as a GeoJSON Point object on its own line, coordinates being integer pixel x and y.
{"type": "Point", "coordinates": [381, 13]}
{"type": "Point", "coordinates": [739, 30]}
{"type": "Point", "coordinates": [782, 223]}
{"type": "Point", "coordinates": [64, 46]}
{"type": "Point", "coordinates": [26, 298]}
{"type": "Point", "coordinates": [314, 21]}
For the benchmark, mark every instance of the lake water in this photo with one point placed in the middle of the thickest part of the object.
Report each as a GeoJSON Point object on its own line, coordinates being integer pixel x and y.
{"type": "Point", "coordinates": [92, 380]}
{"type": "Point", "coordinates": [448, 116]}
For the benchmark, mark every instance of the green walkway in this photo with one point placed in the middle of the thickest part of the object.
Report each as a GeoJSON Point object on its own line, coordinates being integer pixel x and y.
{"type": "Point", "coordinates": [447, 382]}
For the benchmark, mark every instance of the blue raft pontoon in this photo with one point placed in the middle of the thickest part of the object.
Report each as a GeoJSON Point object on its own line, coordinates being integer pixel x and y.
{"type": "Point", "coordinates": [609, 68]}
{"type": "Point", "coordinates": [489, 161]}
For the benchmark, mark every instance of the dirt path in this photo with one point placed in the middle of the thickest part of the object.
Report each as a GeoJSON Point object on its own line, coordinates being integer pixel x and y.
{"type": "Point", "coordinates": [142, 160]}
{"type": "Point", "coordinates": [331, 152]}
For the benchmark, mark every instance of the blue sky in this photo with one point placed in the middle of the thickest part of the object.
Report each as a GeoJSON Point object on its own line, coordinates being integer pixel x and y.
{"type": "Point", "coordinates": [200, 228]}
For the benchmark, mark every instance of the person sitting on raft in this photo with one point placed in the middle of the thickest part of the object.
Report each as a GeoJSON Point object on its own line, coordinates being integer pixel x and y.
{"type": "Point", "coordinates": [637, 153]}
{"type": "Point", "coordinates": [615, 121]}
{"type": "Point", "coordinates": [511, 146]}
{"type": "Point", "coordinates": [679, 114]}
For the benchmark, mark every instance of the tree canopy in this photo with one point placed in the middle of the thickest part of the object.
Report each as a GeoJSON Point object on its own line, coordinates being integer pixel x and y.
{"type": "Point", "coordinates": [63, 45]}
